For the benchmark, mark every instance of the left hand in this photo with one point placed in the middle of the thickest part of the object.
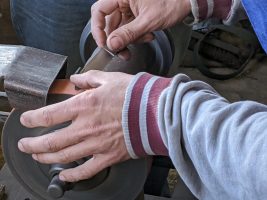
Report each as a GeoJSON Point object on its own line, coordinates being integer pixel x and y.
{"type": "Point", "coordinates": [118, 23]}
{"type": "Point", "coordinates": [95, 130]}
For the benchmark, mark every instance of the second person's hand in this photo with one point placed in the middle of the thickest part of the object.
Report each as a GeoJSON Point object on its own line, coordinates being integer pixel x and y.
{"type": "Point", "coordinates": [118, 23]}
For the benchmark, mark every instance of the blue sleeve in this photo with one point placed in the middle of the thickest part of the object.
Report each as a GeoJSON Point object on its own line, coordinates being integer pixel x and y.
{"type": "Point", "coordinates": [257, 13]}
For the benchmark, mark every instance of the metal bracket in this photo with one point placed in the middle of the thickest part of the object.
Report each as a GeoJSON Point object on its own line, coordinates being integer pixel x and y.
{"type": "Point", "coordinates": [28, 74]}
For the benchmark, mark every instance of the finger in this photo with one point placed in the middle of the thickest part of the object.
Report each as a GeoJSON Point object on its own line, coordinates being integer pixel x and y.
{"type": "Point", "coordinates": [87, 170]}
{"type": "Point", "coordinates": [127, 34]}
{"type": "Point", "coordinates": [99, 11]}
{"type": "Point", "coordinates": [49, 115]}
{"type": "Point", "coordinates": [72, 153]}
{"type": "Point", "coordinates": [146, 38]}
{"type": "Point", "coordinates": [125, 54]}
{"type": "Point", "coordinates": [51, 142]}
{"type": "Point", "coordinates": [92, 78]}
{"type": "Point", "coordinates": [113, 21]}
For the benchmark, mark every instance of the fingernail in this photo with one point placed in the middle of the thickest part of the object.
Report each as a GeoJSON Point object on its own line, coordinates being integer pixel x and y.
{"type": "Point", "coordinates": [34, 156]}
{"type": "Point", "coordinates": [20, 146]}
{"type": "Point", "coordinates": [73, 77]}
{"type": "Point", "coordinates": [149, 38]}
{"type": "Point", "coordinates": [116, 43]}
{"type": "Point", "coordinates": [61, 177]}
{"type": "Point", "coordinates": [24, 120]}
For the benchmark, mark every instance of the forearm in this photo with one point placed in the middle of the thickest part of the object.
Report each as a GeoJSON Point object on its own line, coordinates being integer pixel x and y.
{"type": "Point", "coordinates": [226, 10]}
{"type": "Point", "coordinates": [218, 148]}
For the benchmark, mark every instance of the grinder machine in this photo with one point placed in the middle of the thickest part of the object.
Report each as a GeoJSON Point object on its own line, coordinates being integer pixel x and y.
{"type": "Point", "coordinates": [31, 78]}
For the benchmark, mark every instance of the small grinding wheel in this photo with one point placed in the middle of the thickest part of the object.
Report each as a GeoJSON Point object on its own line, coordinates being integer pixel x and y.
{"type": "Point", "coordinates": [119, 182]}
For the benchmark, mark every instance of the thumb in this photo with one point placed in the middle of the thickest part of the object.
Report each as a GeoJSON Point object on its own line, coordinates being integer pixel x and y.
{"type": "Point", "coordinates": [127, 34]}
{"type": "Point", "coordinates": [92, 78]}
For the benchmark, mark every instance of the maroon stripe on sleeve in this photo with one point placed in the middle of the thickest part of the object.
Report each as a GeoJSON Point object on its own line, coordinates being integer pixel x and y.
{"type": "Point", "coordinates": [202, 9]}
{"type": "Point", "coordinates": [222, 8]}
{"type": "Point", "coordinates": [133, 115]}
{"type": "Point", "coordinates": [153, 132]}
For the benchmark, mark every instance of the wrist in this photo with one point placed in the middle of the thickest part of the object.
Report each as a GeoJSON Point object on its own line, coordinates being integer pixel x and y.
{"type": "Point", "coordinates": [203, 9]}
{"type": "Point", "coordinates": [140, 116]}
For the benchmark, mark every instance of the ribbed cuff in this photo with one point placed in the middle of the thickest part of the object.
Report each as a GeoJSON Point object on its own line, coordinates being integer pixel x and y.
{"type": "Point", "coordinates": [235, 13]}
{"type": "Point", "coordinates": [203, 9]}
{"type": "Point", "coordinates": [140, 116]}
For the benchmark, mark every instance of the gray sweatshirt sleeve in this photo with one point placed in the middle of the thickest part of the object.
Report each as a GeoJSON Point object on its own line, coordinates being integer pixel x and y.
{"type": "Point", "coordinates": [218, 148]}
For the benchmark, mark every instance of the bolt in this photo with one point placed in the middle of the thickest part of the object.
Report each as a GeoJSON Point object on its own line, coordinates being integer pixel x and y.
{"type": "Point", "coordinates": [56, 188]}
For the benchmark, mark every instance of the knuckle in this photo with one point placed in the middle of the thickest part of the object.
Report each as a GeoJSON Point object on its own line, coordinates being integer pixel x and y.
{"type": "Point", "coordinates": [92, 73]}
{"type": "Point", "coordinates": [148, 19]}
{"type": "Point", "coordinates": [41, 158]}
{"type": "Point", "coordinates": [129, 34]}
{"type": "Point", "coordinates": [65, 156]}
{"type": "Point", "coordinates": [84, 173]}
{"type": "Point", "coordinates": [66, 109]}
{"type": "Point", "coordinates": [70, 175]}
{"type": "Point", "coordinates": [47, 118]}
{"type": "Point", "coordinates": [91, 98]}
{"type": "Point", "coordinates": [50, 144]}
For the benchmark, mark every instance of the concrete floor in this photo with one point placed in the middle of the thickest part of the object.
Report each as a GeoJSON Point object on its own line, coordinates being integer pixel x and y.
{"type": "Point", "coordinates": [248, 86]}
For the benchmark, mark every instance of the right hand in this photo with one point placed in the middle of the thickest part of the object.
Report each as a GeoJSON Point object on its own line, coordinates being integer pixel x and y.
{"type": "Point", "coordinates": [117, 23]}
{"type": "Point", "coordinates": [96, 128]}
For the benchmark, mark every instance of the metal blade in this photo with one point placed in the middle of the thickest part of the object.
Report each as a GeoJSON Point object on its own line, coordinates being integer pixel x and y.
{"type": "Point", "coordinates": [98, 61]}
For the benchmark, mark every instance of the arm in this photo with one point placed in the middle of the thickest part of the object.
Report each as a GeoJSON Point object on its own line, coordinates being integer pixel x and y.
{"type": "Point", "coordinates": [226, 10]}
{"type": "Point", "coordinates": [146, 16]}
{"type": "Point", "coordinates": [218, 148]}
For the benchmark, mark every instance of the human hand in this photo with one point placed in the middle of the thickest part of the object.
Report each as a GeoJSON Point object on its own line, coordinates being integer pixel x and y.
{"type": "Point", "coordinates": [121, 22]}
{"type": "Point", "coordinates": [95, 130]}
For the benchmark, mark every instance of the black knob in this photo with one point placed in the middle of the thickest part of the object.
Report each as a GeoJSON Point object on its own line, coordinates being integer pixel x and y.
{"type": "Point", "coordinates": [56, 188]}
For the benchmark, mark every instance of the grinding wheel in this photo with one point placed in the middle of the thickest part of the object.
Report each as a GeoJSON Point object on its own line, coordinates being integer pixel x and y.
{"type": "Point", "coordinates": [121, 182]}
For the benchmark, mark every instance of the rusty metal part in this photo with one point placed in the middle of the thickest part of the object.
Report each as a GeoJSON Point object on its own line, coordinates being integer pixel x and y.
{"type": "Point", "coordinates": [64, 86]}
{"type": "Point", "coordinates": [28, 74]}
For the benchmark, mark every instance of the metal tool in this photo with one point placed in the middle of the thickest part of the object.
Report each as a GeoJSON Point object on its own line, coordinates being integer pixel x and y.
{"type": "Point", "coordinates": [113, 54]}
